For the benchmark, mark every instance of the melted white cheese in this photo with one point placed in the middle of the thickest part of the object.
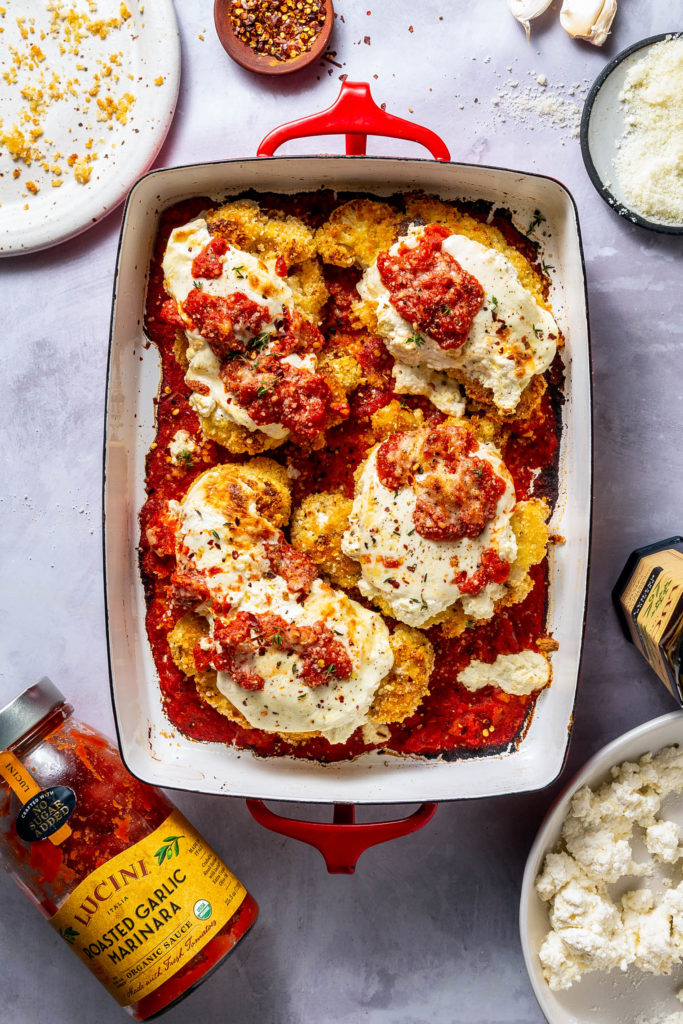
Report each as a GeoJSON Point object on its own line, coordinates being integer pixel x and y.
{"type": "Point", "coordinates": [503, 364]}
{"type": "Point", "coordinates": [232, 560]}
{"type": "Point", "coordinates": [442, 392]}
{"type": "Point", "coordinates": [518, 674]}
{"type": "Point", "coordinates": [423, 585]}
{"type": "Point", "coordinates": [228, 555]}
{"type": "Point", "coordinates": [286, 703]}
{"type": "Point", "coordinates": [241, 272]}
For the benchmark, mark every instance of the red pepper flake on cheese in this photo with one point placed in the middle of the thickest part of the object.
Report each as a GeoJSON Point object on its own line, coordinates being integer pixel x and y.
{"type": "Point", "coordinates": [322, 657]}
{"type": "Point", "coordinates": [295, 568]}
{"type": "Point", "coordinates": [209, 263]}
{"type": "Point", "coordinates": [457, 493]}
{"type": "Point", "coordinates": [430, 289]}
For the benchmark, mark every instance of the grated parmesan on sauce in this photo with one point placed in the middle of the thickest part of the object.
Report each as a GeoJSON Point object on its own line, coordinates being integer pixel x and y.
{"type": "Point", "coordinates": [649, 163]}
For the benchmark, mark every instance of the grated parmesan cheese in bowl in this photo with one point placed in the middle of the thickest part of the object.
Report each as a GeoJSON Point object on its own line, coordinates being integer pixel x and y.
{"type": "Point", "coordinates": [649, 161]}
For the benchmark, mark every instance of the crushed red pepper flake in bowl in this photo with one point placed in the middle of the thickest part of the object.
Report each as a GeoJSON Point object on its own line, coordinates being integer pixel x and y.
{"type": "Point", "coordinates": [284, 29]}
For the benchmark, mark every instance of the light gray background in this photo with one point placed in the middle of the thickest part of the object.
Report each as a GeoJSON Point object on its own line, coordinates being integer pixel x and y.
{"type": "Point", "coordinates": [426, 931]}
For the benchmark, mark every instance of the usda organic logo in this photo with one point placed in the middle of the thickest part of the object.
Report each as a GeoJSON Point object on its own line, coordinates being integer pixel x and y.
{"type": "Point", "coordinates": [202, 910]}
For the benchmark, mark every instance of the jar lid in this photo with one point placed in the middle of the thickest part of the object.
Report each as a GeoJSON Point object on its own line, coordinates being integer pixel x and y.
{"type": "Point", "coordinates": [27, 710]}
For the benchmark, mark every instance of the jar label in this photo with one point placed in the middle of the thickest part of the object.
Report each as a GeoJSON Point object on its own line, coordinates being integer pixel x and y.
{"type": "Point", "coordinates": [653, 603]}
{"type": "Point", "coordinates": [44, 812]}
{"type": "Point", "coordinates": [141, 917]}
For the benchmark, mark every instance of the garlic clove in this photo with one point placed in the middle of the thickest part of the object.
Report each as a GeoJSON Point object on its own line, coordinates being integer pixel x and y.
{"type": "Point", "coordinates": [588, 19]}
{"type": "Point", "coordinates": [526, 10]}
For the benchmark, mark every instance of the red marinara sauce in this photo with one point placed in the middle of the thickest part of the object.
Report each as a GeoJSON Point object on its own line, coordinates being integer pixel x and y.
{"type": "Point", "coordinates": [430, 289]}
{"type": "Point", "coordinates": [451, 722]}
{"type": "Point", "coordinates": [122, 876]}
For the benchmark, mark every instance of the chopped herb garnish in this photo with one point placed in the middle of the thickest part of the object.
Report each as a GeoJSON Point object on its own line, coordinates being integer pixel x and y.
{"type": "Point", "coordinates": [239, 270]}
{"type": "Point", "coordinates": [185, 458]}
{"type": "Point", "coordinates": [199, 285]}
{"type": "Point", "coordinates": [538, 219]}
{"type": "Point", "coordinates": [264, 389]}
{"type": "Point", "coordinates": [331, 670]}
{"type": "Point", "coordinates": [411, 532]}
{"type": "Point", "coordinates": [260, 341]}
{"type": "Point", "coordinates": [278, 638]}
{"type": "Point", "coordinates": [415, 339]}
{"type": "Point", "coordinates": [547, 267]}
{"type": "Point", "coordinates": [539, 334]}
{"type": "Point", "coordinates": [494, 303]}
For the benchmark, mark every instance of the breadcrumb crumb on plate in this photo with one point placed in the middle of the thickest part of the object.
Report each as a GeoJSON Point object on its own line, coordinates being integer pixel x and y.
{"type": "Point", "coordinates": [87, 95]}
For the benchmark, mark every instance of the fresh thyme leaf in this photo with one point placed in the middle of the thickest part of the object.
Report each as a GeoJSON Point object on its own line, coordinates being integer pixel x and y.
{"type": "Point", "coordinates": [494, 303]}
{"type": "Point", "coordinates": [536, 331]}
{"type": "Point", "coordinates": [185, 458]}
{"type": "Point", "coordinates": [278, 638]}
{"type": "Point", "coordinates": [214, 533]}
{"type": "Point", "coordinates": [538, 219]}
{"type": "Point", "coordinates": [331, 670]}
{"type": "Point", "coordinates": [199, 285]}
{"type": "Point", "coordinates": [415, 339]}
{"type": "Point", "coordinates": [547, 267]}
{"type": "Point", "coordinates": [239, 270]}
{"type": "Point", "coordinates": [260, 341]}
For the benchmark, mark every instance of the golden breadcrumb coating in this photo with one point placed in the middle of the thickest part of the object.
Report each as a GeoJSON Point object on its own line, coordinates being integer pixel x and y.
{"type": "Point", "coordinates": [529, 522]}
{"type": "Point", "coordinates": [393, 417]}
{"type": "Point", "coordinates": [244, 225]}
{"type": "Point", "coordinates": [401, 692]}
{"type": "Point", "coordinates": [183, 639]}
{"type": "Point", "coordinates": [356, 232]}
{"type": "Point", "coordinates": [237, 439]}
{"type": "Point", "coordinates": [207, 688]}
{"type": "Point", "coordinates": [317, 528]}
{"type": "Point", "coordinates": [235, 488]}
{"type": "Point", "coordinates": [309, 291]}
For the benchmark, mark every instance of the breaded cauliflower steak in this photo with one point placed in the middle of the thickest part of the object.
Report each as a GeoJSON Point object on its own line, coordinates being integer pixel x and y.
{"type": "Point", "coordinates": [356, 232]}
{"type": "Point", "coordinates": [402, 691]}
{"type": "Point", "coordinates": [317, 528]}
{"type": "Point", "coordinates": [244, 225]}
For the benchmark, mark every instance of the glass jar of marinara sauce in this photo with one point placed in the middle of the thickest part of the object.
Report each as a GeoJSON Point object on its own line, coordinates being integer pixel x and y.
{"type": "Point", "coordinates": [123, 877]}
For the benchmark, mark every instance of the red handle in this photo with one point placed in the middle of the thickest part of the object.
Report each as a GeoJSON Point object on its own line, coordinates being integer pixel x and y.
{"type": "Point", "coordinates": [342, 842]}
{"type": "Point", "coordinates": [355, 114]}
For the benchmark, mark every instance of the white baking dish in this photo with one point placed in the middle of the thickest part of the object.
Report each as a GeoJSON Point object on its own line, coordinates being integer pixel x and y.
{"type": "Point", "coordinates": [152, 749]}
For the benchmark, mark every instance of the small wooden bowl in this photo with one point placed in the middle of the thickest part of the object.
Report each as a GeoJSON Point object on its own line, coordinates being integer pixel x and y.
{"type": "Point", "coordinates": [263, 63]}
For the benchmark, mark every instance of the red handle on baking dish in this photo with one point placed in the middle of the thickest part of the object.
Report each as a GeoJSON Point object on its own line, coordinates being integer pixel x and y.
{"type": "Point", "coordinates": [342, 842]}
{"type": "Point", "coordinates": [355, 114]}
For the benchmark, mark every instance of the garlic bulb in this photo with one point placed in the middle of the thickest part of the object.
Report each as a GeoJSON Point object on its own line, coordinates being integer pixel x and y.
{"type": "Point", "coordinates": [588, 19]}
{"type": "Point", "coordinates": [526, 10]}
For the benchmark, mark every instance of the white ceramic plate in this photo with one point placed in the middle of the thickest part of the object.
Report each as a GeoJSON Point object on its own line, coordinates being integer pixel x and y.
{"type": "Point", "coordinates": [125, 74]}
{"type": "Point", "coordinates": [615, 998]}
{"type": "Point", "coordinates": [602, 126]}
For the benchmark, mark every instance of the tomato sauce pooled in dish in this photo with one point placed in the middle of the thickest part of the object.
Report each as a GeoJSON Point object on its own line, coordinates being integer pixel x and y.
{"type": "Point", "coordinates": [457, 493]}
{"type": "Point", "coordinates": [451, 720]}
{"type": "Point", "coordinates": [430, 289]}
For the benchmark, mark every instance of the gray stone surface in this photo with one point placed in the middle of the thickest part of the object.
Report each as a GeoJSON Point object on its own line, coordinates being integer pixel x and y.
{"type": "Point", "coordinates": [426, 931]}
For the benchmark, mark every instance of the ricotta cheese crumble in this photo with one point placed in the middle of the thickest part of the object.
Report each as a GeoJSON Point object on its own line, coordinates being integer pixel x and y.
{"type": "Point", "coordinates": [603, 840]}
{"type": "Point", "coordinates": [511, 340]}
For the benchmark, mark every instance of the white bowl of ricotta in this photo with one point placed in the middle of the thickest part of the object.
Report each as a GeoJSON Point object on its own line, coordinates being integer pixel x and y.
{"type": "Point", "coordinates": [616, 996]}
